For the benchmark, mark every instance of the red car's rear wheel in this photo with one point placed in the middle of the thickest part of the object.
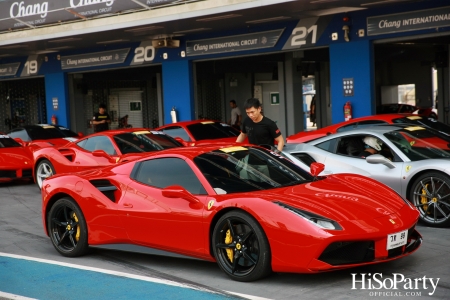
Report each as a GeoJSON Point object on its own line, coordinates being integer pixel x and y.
{"type": "Point", "coordinates": [67, 228]}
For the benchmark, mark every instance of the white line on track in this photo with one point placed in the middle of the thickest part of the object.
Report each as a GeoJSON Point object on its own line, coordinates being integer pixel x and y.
{"type": "Point", "coordinates": [116, 273]}
{"type": "Point", "coordinates": [13, 297]}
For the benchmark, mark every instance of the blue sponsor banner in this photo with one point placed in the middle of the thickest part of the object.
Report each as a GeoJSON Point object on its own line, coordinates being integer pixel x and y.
{"type": "Point", "coordinates": [251, 41]}
{"type": "Point", "coordinates": [408, 21]}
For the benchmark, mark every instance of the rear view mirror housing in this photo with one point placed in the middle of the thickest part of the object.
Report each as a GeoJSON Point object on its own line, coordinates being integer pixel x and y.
{"type": "Point", "coordinates": [316, 168]}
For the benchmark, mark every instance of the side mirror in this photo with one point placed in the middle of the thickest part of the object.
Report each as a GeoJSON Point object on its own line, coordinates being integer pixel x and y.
{"type": "Point", "coordinates": [80, 134]}
{"type": "Point", "coordinates": [176, 191]}
{"type": "Point", "coordinates": [316, 168]}
{"type": "Point", "coordinates": [180, 140]}
{"type": "Point", "coordinates": [380, 159]}
{"type": "Point", "coordinates": [102, 153]}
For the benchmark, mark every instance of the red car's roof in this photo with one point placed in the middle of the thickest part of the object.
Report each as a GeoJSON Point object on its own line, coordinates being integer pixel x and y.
{"type": "Point", "coordinates": [185, 123]}
{"type": "Point", "coordinates": [310, 135]}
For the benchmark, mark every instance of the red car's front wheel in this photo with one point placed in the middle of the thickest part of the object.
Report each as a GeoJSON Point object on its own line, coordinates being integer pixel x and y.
{"type": "Point", "coordinates": [241, 247]}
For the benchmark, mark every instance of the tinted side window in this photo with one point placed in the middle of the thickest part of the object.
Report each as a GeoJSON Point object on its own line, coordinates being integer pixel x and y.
{"type": "Point", "coordinates": [164, 172]}
{"type": "Point", "coordinates": [177, 132]}
{"type": "Point", "coordinates": [98, 143]}
{"type": "Point", "coordinates": [327, 145]}
{"type": "Point", "coordinates": [347, 127]}
{"type": "Point", "coordinates": [20, 133]}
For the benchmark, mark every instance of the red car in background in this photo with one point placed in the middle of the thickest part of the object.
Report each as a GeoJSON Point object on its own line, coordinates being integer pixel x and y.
{"type": "Point", "coordinates": [43, 135]}
{"type": "Point", "coordinates": [98, 149]}
{"type": "Point", "coordinates": [407, 109]}
{"type": "Point", "coordinates": [192, 133]}
{"type": "Point", "coordinates": [15, 161]}
{"type": "Point", "coordinates": [369, 121]}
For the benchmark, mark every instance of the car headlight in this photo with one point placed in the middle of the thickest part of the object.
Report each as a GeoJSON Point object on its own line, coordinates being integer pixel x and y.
{"type": "Point", "coordinates": [315, 219]}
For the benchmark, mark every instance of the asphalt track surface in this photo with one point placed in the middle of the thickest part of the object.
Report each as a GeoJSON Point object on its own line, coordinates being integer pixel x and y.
{"type": "Point", "coordinates": [30, 268]}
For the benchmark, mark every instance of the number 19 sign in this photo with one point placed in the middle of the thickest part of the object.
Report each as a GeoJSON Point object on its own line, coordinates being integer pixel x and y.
{"type": "Point", "coordinates": [31, 66]}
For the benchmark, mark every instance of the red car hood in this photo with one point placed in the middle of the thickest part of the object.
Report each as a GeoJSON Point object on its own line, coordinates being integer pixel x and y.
{"type": "Point", "coordinates": [15, 157]}
{"type": "Point", "coordinates": [340, 197]}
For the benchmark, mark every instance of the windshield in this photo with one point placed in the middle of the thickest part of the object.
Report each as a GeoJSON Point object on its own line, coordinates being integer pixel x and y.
{"type": "Point", "coordinates": [212, 130]}
{"type": "Point", "coordinates": [7, 142]}
{"type": "Point", "coordinates": [144, 141]}
{"type": "Point", "coordinates": [247, 169]}
{"type": "Point", "coordinates": [423, 121]}
{"type": "Point", "coordinates": [67, 132]}
{"type": "Point", "coordinates": [419, 143]}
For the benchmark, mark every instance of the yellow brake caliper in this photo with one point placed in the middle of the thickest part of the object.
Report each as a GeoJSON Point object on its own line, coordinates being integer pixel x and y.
{"type": "Point", "coordinates": [423, 199]}
{"type": "Point", "coordinates": [77, 235]}
{"type": "Point", "coordinates": [229, 240]}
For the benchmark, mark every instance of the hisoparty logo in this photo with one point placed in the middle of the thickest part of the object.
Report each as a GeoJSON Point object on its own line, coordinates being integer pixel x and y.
{"type": "Point", "coordinates": [397, 285]}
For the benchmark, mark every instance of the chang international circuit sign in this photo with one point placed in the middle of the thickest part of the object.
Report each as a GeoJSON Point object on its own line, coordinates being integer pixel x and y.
{"type": "Point", "coordinates": [94, 59]}
{"type": "Point", "coordinates": [15, 14]}
{"type": "Point", "coordinates": [414, 20]}
{"type": "Point", "coordinates": [9, 69]}
{"type": "Point", "coordinates": [233, 43]}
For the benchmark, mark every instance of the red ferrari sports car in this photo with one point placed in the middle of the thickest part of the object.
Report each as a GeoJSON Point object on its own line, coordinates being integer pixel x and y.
{"type": "Point", "coordinates": [43, 135]}
{"type": "Point", "coordinates": [15, 161]}
{"type": "Point", "coordinates": [197, 132]}
{"type": "Point", "coordinates": [250, 210]}
{"type": "Point", "coordinates": [99, 149]}
{"type": "Point", "coordinates": [407, 109]}
{"type": "Point", "coordinates": [361, 122]}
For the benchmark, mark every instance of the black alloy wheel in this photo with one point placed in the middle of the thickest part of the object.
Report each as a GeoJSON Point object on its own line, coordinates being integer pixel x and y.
{"type": "Point", "coordinates": [67, 228]}
{"type": "Point", "coordinates": [430, 194]}
{"type": "Point", "coordinates": [241, 247]}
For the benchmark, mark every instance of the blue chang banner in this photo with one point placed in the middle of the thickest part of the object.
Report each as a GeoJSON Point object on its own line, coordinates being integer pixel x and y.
{"type": "Point", "coordinates": [413, 20]}
{"type": "Point", "coordinates": [94, 59]}
{"type": "Point", "coordinates": [9, 69]}
{"type": "Point", "coordinates": [233, 43]}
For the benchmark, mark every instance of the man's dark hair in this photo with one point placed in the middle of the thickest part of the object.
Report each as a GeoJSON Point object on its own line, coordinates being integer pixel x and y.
{"type": "Point", "coordinates": [233, 101]}
{"type": "Point", "coordinates": [252, 102]}
{"type": "Point", "coordinates": [103, 105]}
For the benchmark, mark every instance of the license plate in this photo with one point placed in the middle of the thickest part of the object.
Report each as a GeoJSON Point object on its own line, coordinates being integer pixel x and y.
{"type": "Point", "coordinates": [397, 239]}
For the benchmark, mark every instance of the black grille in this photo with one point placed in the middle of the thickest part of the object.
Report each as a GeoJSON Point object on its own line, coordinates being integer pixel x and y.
{"type": "Point", "coordinates": [8, 174]}
{"type": "Point", "coordinates": [27, 173]}
{"type": "Point", "coordinates": [342, 253]}
{"type": "Point", "coordinates": [106, 187]}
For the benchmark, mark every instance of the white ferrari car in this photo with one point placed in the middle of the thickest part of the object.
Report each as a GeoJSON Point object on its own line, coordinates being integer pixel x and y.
{"type": "Point", "coordinates": [413, 160]}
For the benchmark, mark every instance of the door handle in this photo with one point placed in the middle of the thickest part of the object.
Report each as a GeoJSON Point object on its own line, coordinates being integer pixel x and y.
{"type": "Point", "coordinates": [128, 205]}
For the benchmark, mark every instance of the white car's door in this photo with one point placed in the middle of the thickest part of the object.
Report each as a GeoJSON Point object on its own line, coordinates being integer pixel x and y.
{"type": "Point", "coordinates": [339, 163]}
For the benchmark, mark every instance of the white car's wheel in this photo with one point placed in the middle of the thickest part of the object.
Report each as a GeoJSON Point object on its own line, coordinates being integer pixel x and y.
{"type": "Point", "coordinates": [430, 194]}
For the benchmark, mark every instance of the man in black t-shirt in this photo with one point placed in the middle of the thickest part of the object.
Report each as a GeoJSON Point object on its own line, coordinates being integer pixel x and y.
{"type": "Point", "coordinates": [101, 119]}
{"type": "Point", "coordinates": [259, 129]}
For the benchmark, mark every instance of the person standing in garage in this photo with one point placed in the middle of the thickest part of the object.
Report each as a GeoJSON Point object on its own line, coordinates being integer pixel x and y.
{"type": "Point", "coordinates": [259, 129]}
{"type": "Point", "coordinates": [101, 119]}
{"type": "Point", "coordinates": [235, 120]}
